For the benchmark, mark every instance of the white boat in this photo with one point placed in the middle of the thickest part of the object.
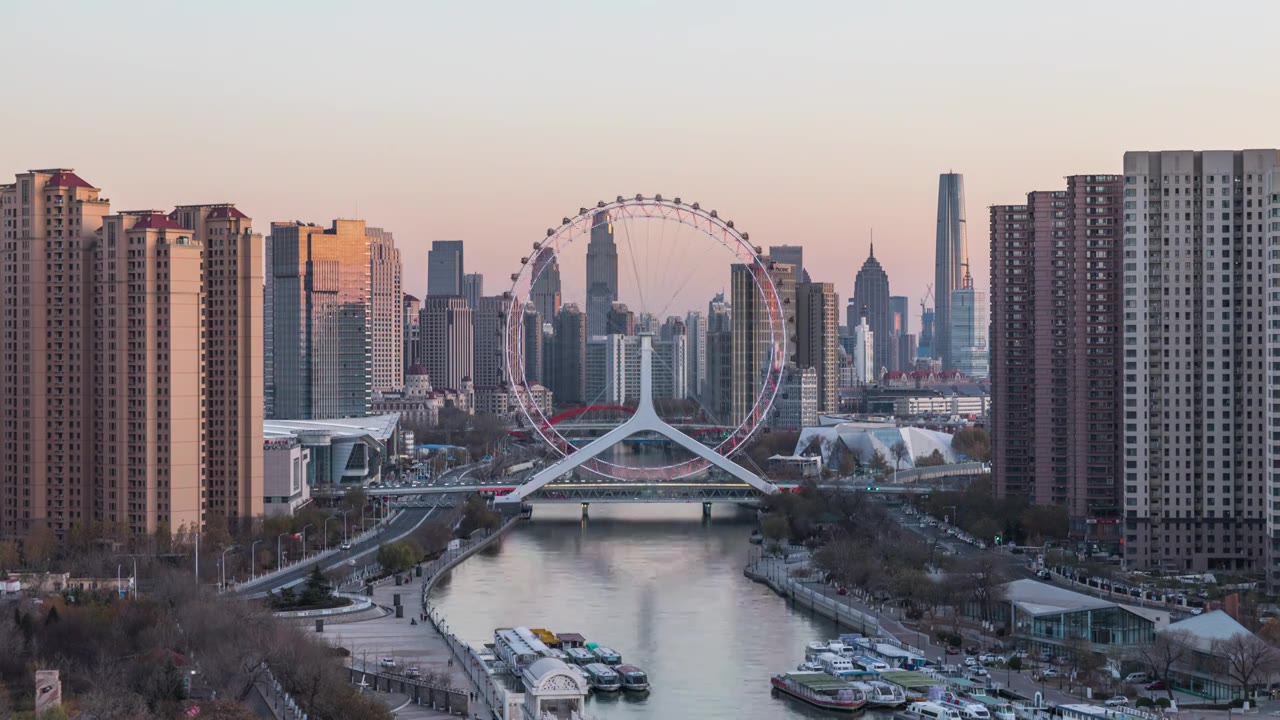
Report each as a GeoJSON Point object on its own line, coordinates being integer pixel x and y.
{"type": "Point", "coordinates": [603, 677]}
{"type": "Point", "coordinates": [968, 709]}
{"type": "Point", "coordinates": [882, 694]}
{"type": "Point", "coordinates": [927, 711]}
{"type": "Point", "coordinates": [809, 666]}
{"type": "Point", "coordinates": [586, 679]}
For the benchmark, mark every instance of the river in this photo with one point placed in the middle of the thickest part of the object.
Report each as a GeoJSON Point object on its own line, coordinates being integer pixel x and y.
{"type": "Point", "coordinates": [659, 585]}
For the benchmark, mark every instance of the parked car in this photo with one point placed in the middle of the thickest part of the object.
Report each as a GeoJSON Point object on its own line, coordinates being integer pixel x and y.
{"type": "Point", "coordinates": [1134, 678]}
{"type": "Point", "coordinates": [1157, 685]}
{"type": "Point", "coordinates": [970, 661]}
{"type": "Point", "coordinates": [978, 670]}
{"type": "Point", "coordinates": [413, 672]}
{"type": "Point", "coordinates": [972, 650]}
{"type": "Point", "coordinates": [1048, 673]}
{"type": "Point", "coordinates": [1117, 701]}
{"type": "Point", "coordinates": [953, 650]}
{"type": "Point", "coordinates": [345, 546]}
{"type": "Point", "coordinates": [842, 591]}
{"type": "Point", "coordinates": [387, 662]}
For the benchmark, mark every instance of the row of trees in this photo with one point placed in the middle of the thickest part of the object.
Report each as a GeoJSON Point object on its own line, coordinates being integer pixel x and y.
{"type": "Point", "coordinates": [980, 513]}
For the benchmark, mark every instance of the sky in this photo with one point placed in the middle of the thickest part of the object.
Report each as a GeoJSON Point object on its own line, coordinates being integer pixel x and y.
{"type": "Point", "coordinates": [808, 123]}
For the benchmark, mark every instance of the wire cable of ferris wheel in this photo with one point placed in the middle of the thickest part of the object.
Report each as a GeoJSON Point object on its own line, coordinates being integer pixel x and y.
{"type": "Point", "coordinates": [635, 271]}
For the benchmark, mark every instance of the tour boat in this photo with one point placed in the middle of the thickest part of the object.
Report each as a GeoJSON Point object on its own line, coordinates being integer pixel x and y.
{"type": "Point", "coordinates": [819, 690]}
{"type": "Point", "coordinates": [927, 711]}
{"type": "Point", "coordinates": [602, 677]}
{"type": "Point", "coordinates": [580, 656]}
{"type": "Point", "coordinates": [608, 656]}
{"type": "Point", "coordinates": [881, 694]}
{"type": "Point", "coordinates": [756, 538]}
{"type": "Point", "coordinates": [633, 678]}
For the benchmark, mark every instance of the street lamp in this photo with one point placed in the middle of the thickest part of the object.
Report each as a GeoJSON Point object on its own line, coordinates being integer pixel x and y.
{"type": "Point", "coordinates": [224, 566]}
{"type": "Point", "coordinates": [326, 532]}
{"type": "Point", "coordinates": [344, 525]}
{"type": "Point", "coordinates": [253, 560]}
{"type": "Point", "coordinates": [953, 520]}
{"type": "Point", "coordinates": [280, 550]}
{"type": "Point", "coordinates": [304, 539]}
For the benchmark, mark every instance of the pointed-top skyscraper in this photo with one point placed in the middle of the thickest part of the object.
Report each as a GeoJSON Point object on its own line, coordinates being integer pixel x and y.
{"type": "Point", "coordinates": [950, 261]}
{"type": "Point", "coordinates": [871, 299]}
{"type": "Point", "coordinates": [602, 274]}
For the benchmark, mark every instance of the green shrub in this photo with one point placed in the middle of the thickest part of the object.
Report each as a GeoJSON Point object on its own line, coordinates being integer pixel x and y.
{"type": "Point", "coordinates": [1143, 701]}
{"type": "Point", "coordinates": [1162, 702]}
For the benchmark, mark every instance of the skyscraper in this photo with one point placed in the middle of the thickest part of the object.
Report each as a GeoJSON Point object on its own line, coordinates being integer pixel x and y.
{"type": "Point", "coordinates": [950, 261]}
{"type": "Point", "coordinates": [412, 331]}
{"type": "Point", "coordinates": [139, 402]}
{"type": "Point", "coordinates": [752, 337]}
{"type": "Point", "coordinates": [871, 299]}
{"type": "Point", "coordinates": [864, 367]}
{"type": "Point", "coordinates": [899, 321]}
{"type": "Point", "coordinates": [620, 320]}
{"type": "Point", "coordinates": [969, 352]}
{"type": "Point", "coordinates": [268, 334]}
{"type": "Point", "coordinates": [817, 314]}
{"type": "Point", "coordinates": [925, 349]}
{"type": "Point", "coordinates": [792, 255]}
{"type": "Point", "coordinates": [386, 311]}
{"type": "Point", "coordinates": [602, 273]}
{"type": "Point", "coordinates": [696, 322]}
{"type": "Point", "coordinates": [490, 338]}
{"type": "Point", "coordinates": [568, 371]}
{"type": "Point", "coordinates": [444, 269]}
{"type": "Point", "coordinates": [448, 341]}
{"type": "Point", "coordinates": [1197, 424]}
{"type": "Point", "coordinates": [1055, 350]}
{"type": "Point", "coordinates": [647, 324]}
{"type": "Point", "coordinates": [545, 290]}
{"type": "Point", "coordinates": [534, 348]}
{"type": "Point", "coordinates": [322, 333]}
{"type": "Point", "coordinates": [473, 289]}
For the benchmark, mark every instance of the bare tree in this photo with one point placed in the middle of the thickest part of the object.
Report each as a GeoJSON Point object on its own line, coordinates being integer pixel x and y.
{"type": "Point", "coordinates": [985, 577]}
{"type": "Point", "coordinates": [900, 452]}
{"type": "Point", "coordinates": [1166, 650]}
{"type": "Point", "coordinates": [1245, 658]}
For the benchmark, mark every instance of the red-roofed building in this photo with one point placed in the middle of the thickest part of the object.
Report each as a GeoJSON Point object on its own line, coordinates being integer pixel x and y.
{"type": "Point", "coordinates": [65, 179]}
{"type": "Point", "coordinates": [156, 221]}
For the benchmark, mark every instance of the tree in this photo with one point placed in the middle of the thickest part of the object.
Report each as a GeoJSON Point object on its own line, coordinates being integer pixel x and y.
{"type": "Point", "coordinates": [974, 443]}
{"type": "Point", "coordinates": [1166, 650]}
{"type": "Point", "coordinates": [1015, 664]}
{"type": "Point", "coordinates": [399, 556]}
{"type": "Point", "coordinates": [8, 555]}
{"type": "Point", "coordinates": [933, 459]}
{"type": "Point", "coordinates": [1245, 658]}
{"type": "Point", "coordinates": [39, 546]}
{"type": "Point", "coordinates": [878, 463]}
{"type": "Point", "coordinates": [433, 536]}
{"type": "Point", "coordinates": [316, 589]}
{"type": "Point", "coordinates": [899, 452]}
{"type": "Point", "coordinates": [354, 500]}
{"type": "Point", "coordinates": [774, 526]}
{"type": "Point", "coordinates": [985, 576]}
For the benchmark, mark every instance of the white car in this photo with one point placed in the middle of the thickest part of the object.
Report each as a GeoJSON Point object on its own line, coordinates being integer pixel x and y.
{"type": "Point", "coordinates": [345, 546]}
{"type": "Point", "coordinates": [387, 662]}
{"type": "Point", "coordinates": [970, 661]}
{"type": "Point", "coordinates": [978, 670]}
{"type": "Point", "coordinates": [1117, 701]}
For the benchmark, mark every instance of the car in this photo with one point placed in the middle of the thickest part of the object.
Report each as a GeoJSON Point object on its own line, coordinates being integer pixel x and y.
{"type": "Point", "coordinates": [970, 661]}
{"type": "Point", "coordinates": [1048, 673]}
{"type": "Point", "coordinates": [953, 650]}
{"type": "Point", "coordinates": [971, 649]}
{"type": "Point", "coordinates": [387, 662]}
{"type": "Point", "coordinates": [842, 591]}
{"type": "Point", "coordinates": [1157, 685]}
{"type": "Point", "coordinates": [978, 670]}
{"type": "Point", "coordinates": [1117, 701]}
{"type": "Point", "coordinates": [1134, 678]}
{"type": "Point", "coordinates": [413, 672]}
{"type": "Point", "coordinates": [345, 546]}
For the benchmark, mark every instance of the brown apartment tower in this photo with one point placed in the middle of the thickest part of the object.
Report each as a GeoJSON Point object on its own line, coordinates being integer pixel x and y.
{"type": "Point", "coordinates": [131, 371]}
{"type": "Point", "coordinates": [1056, 306]}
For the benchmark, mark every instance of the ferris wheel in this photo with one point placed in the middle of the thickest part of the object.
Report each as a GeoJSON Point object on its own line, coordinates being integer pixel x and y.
{"type": "Point", "coordinates": [690, 223]}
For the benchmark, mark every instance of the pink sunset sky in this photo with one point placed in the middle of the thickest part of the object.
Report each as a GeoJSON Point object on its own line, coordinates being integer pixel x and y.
{"type": "Point", "coordinates": [808, 123]}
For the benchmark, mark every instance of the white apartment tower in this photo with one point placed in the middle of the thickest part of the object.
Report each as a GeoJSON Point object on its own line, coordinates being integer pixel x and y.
{"type": "Point", "coordinates": [386, 311]}
{"type": "Point", "coordinates": [1196, 342]}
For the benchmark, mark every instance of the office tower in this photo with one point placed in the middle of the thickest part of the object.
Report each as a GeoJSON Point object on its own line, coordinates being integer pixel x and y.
{"type": "Point", "coordinates": [448, 341]}
{"type": "Point", "coordinates": [534, 347]}
{"type": "Point", "coordinates": [444, 269]}
{"type": "Point", "coordinates": [718, 314]}
{"type": "Point", "coordinates": [568, 369]}
{"type": "Point", "coordinates": [619, 320]}
{"type": "Point", "coordinates": [602, 273]}
{"type": "Point", "coordinates": [490, 315]}
{"type": "Point", "coordinates": [1197, 423]}
{"type": "Point", "coordinates": [871, 299]}
{"type": "Point", "coordinates": [907, 352]}
{"type": "Point", "coordinates": [117, 409]}
{"type": "Point", "coordinates": [898, 322]}
{"type": "Point", "coordinates": [234, 363]}
{"type": "Point", "coordinates": [792, 255]}
{"type": "Point", "coordinates": [473, 289]}
{"type": "Point", "coordinates": [613, 369]}
{"type": "Point", "coordinates": [268, 334]}
{"type": "Point", "coordinates": [784, 278]}
{"type": "Point", "coordinates": [925, 348]}
{"type": "Point", "coordinates": [386, 311]}
{"type": "Point", "coordinates": [545, 289]}
{"type": "Point", "coordinates": [718, 391]}
{"type": "Point", "coordinates": [322, 333]}
{"type": "Point", "coordinates": [412, 310]}
{"type": "Point", "coordinates": [796, 406]}
{"type": "Point", "coordinates": [1055, 350]}
{"type": "Point", "coordinates": [817, 316]}
{"type": "Point", "coordinates": [647, 324]}
{"type": "Point", "coordinates": [696, 324]}
{"type": "Point", "coordinates": [752, 334]}
{"type": "Point", "coordinates": [605, 366]}
{"type": "Point", "coordinates": [950, 261]}
{"type": "Point", "coordinates": [864, 351]}
{"type": "Point", "coordinates": [671, 353]}
{"type": "Point", "coordinates": [969, 352]}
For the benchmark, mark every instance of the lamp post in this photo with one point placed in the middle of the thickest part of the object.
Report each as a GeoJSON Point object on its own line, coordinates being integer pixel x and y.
{"type": "Point", "coordinates": [344, 525]}
{"type": "Point", "coordinates": [253, 560]}
{"type": "Point", "coordinates": [280, 550]}
{"type": "Point", "coordinates": [224, 566]}
{"type": "Point", "coordinates": [304, 539]}
{"type": "Point", "coordinates": [326, 532]}
{"type": "Point", "coordinates": [952, 520]}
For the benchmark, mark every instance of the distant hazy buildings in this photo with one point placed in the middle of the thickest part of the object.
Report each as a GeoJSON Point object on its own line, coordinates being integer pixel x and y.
{"type": "Point", "coordinates": [871, 300]}
{"type": "Point", "coordinates": [950, 261]}
{"type": "Point", "coordinates": [569, 355]}
{"type": "Point", "coordinates": [473, 289]}
{"type": "Point", "coordinates": [602, 275]}
{"type": "Point", "coordinates": [696, 323]}
{"type": "Point", "coordinates": [817, 325]}
{"type": "Point", "coordinates": [386, 310]}
{"type": "Point", "coordinates": [444, 268]}
{"type": "Point", "coordinates": [321, 320]}
{"type": "Point", "coordinates": [1055, 351]}
{"type": "Point", "coordinates": [619, 320]}
{"type": "Point", "coordinates": [545, 290]}
{"type": "Point", "coordinates": [899, 321]}
{"type": "Point", "coordinates": [534, 346]}
{"type": "Point", "coordinates": [1199, 377]}
{"type": "Point", "coordinates": [969, 352]}
{"type": "Point", "coordinates": [412, 310]}
{"type": "Point", "coordinates": [448, 341]}
{"type": "Point", "coordinates": [490, 338]}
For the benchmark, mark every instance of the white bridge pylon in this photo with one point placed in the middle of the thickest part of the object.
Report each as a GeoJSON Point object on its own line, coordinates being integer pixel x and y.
{"type": "Point", "coordinates": [645, 419]}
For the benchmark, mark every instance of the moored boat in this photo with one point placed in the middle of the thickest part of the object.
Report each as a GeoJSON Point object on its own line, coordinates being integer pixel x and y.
{"type": "Point", "coordinates": [602, 677]}
{"type": "Point", "coordinates": [819, 690]}
{"type": "Point", "coordinates": [580, 656]}
{"type": "Point", "coordinates": [633, 678]}
{"type": "Point", "coordinates": [606, 655]}
{"type": "Point", "coordinates": [757, 538]}
{"type": "Point", "coordinates": [881, 694]}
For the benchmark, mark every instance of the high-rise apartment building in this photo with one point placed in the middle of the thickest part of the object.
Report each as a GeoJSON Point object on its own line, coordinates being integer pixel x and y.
{"type": "Point", "coordinates": [445, 268]}
{"type": "Point", "coordinates": [647, 324]}
{"type": "Point", "coordinates": [602, 274]}
{"type": "Point", "coordinates": [568, 368]}
{"type": "Point", "coordinates": [613, 369]}
{"type": "Point", "coordinates": [752, 331]}
{"type": "Point", "coordinates": [796, 406]}
{"type": "Point", "coordinates": [534, 347]}
{"type": "Point", "coordinates": [490, 315]}
{"type": "Point", "coordinates": [817, 321]}
{"type": "Point", "coordinates": [448, 341]}
{"type": "Point", "coordinates": [134, 392]}
{"type": "Point", "coordinates": [1271, 192]}
{"type": "Point", "coordinates": [969, 352]}
{"type": "Point", "coordinates": [1197, 424]}
{"type": "Point", "coordinates": [696, 323]}
{"type": "Point", "coordinates": [950, 262]}
{"type": "Point", "coordinates": [412, 310]}
{"type": "Point", "coordinates": [1055, 351]}
{"type": "Point", "coordinates": [545, 288]}
{"type": "Point", "coordinates": [871, 300]}
{"type": "Point", "coordinates": [268, 335]}
{"type": "Point", "coordinates": [791, 255]}
{"type": "Point", "coordinates": [864, 353]}
{"type": "Point", "coordinates": [322, 332]}
{"type": "Point", "coordinates": [386, 311]}
{"type": "Point", "coordinates": [619, 320]}
{"type": "Point", "coordinates": [473, 289]}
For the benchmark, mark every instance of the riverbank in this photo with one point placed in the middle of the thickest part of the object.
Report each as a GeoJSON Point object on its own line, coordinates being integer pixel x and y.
{"type": "Point", "coordinates": [776, 573]}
